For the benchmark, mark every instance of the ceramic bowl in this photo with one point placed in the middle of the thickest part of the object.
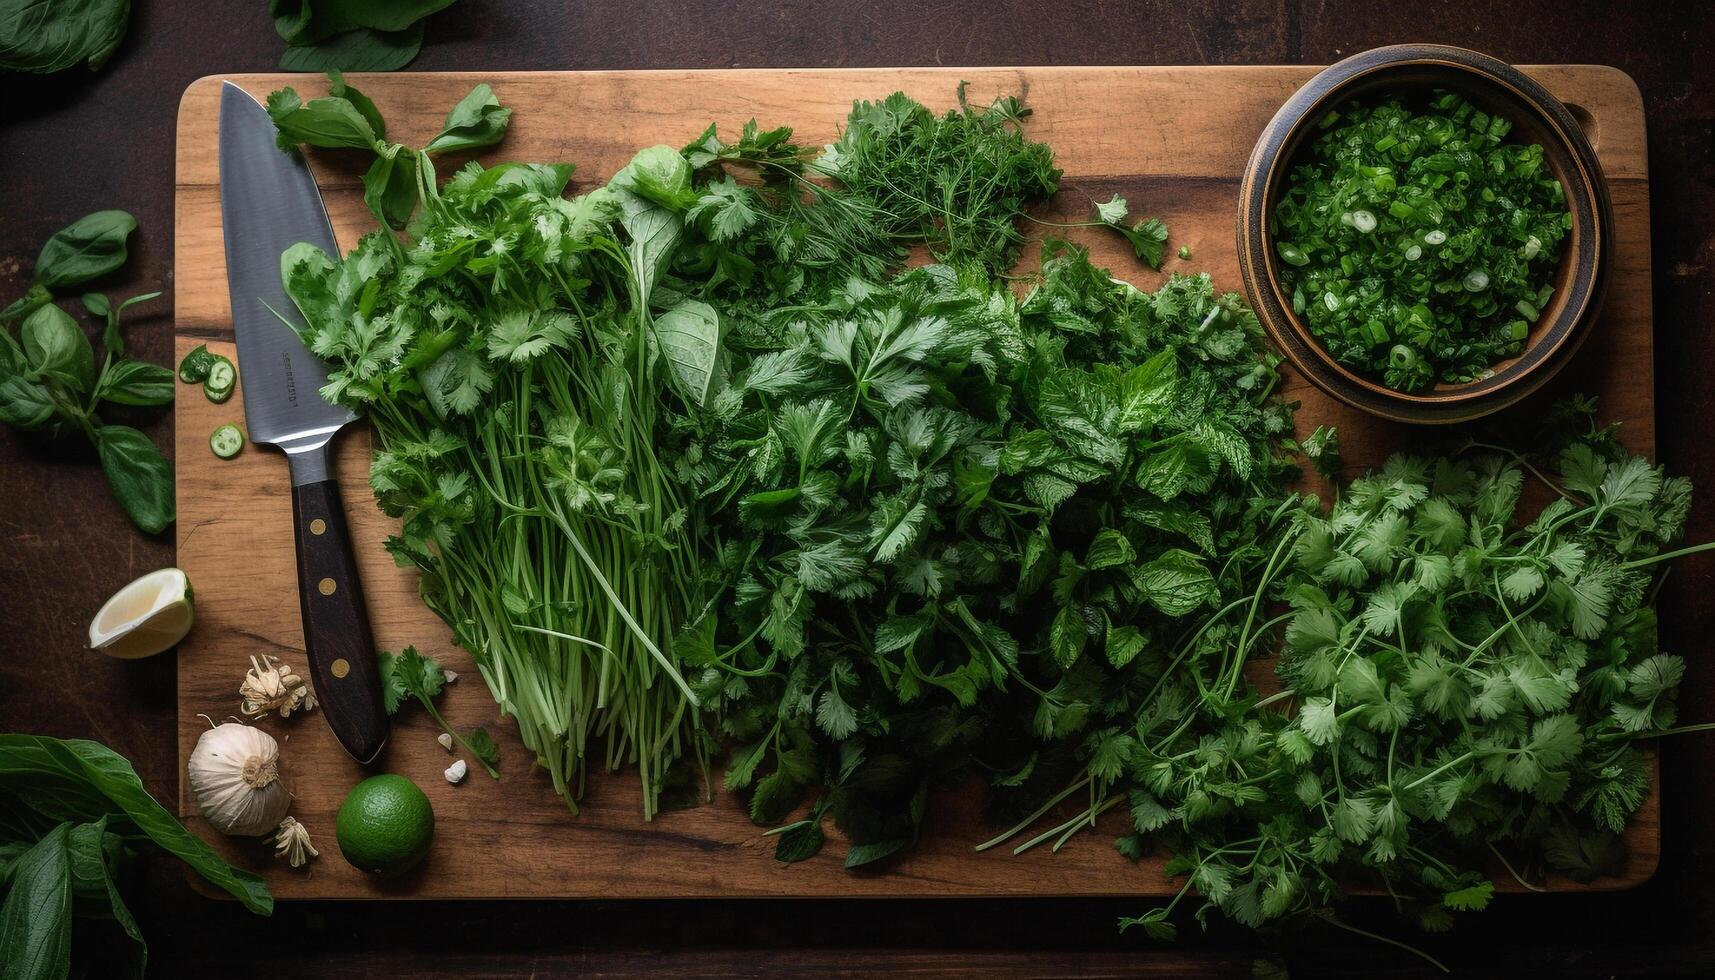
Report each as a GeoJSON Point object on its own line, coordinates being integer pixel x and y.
{"type": "Point", "coordinates": [1497, 88]}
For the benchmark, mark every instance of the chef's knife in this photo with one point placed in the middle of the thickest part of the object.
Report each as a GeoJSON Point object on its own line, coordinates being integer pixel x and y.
{"type": "Point", "coordinates": [269, 201]}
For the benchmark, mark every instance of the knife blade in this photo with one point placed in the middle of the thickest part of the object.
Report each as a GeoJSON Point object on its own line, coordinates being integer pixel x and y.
{"type": "Point", "coordinates": [268, 202]}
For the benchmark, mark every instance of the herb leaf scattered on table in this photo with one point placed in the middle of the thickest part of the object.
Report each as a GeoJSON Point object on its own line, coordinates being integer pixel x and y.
{"type": "Point", "coordinates": [49, 378]}
{"type": "Point", "coordinates": [409, 674]}
{"type": "Point", "coordinates": [45, 38]}
{"type": "Point", "coordinates": [351, 35]}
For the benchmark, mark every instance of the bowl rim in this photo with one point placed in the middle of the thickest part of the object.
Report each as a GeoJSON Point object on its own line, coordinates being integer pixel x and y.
{"type": "Point", "coordinates": [1586, 198]}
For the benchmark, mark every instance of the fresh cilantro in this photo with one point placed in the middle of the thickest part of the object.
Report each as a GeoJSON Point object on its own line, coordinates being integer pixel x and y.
{"type": "Point", "coordinates": [1148, 237]}
{"type": "Point", "coordinates": [1468, 680]}
{"type": "Point", "coordinates": [346, 119]}
{"type": "Point", "coordinates": [408, 675]}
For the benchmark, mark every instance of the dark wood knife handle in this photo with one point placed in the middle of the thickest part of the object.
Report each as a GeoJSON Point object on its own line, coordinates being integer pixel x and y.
{"type": "Point", "coordinates": [336, 622]}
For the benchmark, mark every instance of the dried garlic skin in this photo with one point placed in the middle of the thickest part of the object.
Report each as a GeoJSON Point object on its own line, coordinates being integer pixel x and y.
{"type": "Point", "coordinates": [292, 842]}
{"type": "Point", "coordinates": [273, 686]}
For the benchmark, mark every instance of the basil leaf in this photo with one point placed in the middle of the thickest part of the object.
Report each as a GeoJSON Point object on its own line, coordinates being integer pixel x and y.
{"type": "Point", "coordinates": [293, 20]}
{"type": "Point", "coordinates": [799, 843]}
{"type": "Point", "coordinates": [327, 122]}
{"type": "Point", "coordinates": [96, 304]}
{"type": "Point", "coordinates": [862, 854]}
{"type": "Point", "coordinates": [74, 779]}
{"type": "Point", "coordinates": [478, 120]}
{"type": "Point", "coordinates": [30, 302]}
{"type": "Point", "coordinates": [390, 185]}
{"type": "Point", "coordinates": [35, 922]}
{"type": "Point", "coordinates": [359, 50]}
{"type": "Point", "coordinates": [94, 853]}
{"type": "Point", "coordinates": [138, 474]}
{"type": "Point", "coordinates": [690, 339]}
{"type": "Point", "coordinates": [654, 233]}
{"type": "Point", "coordinates": [340, 90]}
{"type": "Point", "coordinates": [24, 404]}
{"type": "Point", "coordinates": [89, 247]}
{"type": "Point", "coordinates": [303, 22]}
{"type": "Point", "coordinates": [44, 38]}
{"type": "Point", "coordinates": [659, 174]}
{"type": "Point", "coordinates": [56, 347]}
{"type": "Point", "coordinates": [136, 383]}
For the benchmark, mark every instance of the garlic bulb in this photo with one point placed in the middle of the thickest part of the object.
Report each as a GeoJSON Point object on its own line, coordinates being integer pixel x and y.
{"type": "Point", "coordinates": [235, 777]}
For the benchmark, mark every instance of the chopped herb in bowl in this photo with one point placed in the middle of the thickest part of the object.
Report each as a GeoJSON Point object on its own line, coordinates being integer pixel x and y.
{"type": "Point", "coordinates": [1418, 246]}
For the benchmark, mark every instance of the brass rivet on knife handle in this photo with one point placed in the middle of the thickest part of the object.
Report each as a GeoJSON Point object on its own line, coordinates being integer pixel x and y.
{"type": "Point", "coordinates": [318, 527]}
{"type": "Point", "coordinates": [340, 667]}
{"type": "Point", "coordinates": [327, 586]}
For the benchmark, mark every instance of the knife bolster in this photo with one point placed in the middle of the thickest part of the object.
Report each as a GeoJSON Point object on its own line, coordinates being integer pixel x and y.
{"type": "Point", "coordinates": [309, 463]}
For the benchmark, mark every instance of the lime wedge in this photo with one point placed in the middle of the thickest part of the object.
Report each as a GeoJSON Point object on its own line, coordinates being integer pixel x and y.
{"type": "Point", "coordinates": [144, 618]}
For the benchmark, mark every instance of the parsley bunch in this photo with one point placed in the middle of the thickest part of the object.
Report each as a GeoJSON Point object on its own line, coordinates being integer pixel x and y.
{"type": "Point", "coordinates": [928, 492]}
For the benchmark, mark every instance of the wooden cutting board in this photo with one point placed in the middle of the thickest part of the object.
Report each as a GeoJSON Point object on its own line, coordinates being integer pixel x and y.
{"type": "Point", "coordinates": [1172, 140]}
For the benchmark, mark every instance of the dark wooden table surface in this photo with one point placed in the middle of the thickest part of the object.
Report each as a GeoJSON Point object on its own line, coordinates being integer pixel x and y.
{"type": "Point", "coordinates": [77, 142]}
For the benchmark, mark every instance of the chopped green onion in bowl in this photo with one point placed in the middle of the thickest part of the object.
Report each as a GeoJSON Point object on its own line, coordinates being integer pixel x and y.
{"type": "Point", "coordinates": [1412, 238]}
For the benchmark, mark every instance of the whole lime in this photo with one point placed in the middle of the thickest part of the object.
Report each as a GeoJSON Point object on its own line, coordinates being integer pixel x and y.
{"type": "Point", "coordinates": [385, 825]}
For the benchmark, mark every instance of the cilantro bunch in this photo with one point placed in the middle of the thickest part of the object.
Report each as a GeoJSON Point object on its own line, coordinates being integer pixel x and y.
{"type": "Point", "coordinates": [1461, 688]}
{"type": "Point", "coordinates": [504, 353]}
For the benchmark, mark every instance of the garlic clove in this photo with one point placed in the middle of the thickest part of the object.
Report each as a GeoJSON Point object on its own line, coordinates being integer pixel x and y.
{"type": "Point", "coordinates": [455, 773]}
{"type": "Point", "coordinates": [446, 740]}
{"type": "Point", "coordinates": [448, 676]}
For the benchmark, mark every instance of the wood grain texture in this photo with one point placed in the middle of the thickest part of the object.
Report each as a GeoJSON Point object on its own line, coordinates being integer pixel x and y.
{"type": "Point", "coordinates": [1185, 137]}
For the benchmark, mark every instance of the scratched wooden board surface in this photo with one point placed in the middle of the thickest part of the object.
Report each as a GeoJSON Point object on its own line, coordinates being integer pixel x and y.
{"type": "Point", "coordinates": [1171, 140]}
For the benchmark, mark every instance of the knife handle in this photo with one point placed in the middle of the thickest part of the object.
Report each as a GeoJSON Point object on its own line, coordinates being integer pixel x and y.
{"type": "Point", "coordinates": [336, 622]}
